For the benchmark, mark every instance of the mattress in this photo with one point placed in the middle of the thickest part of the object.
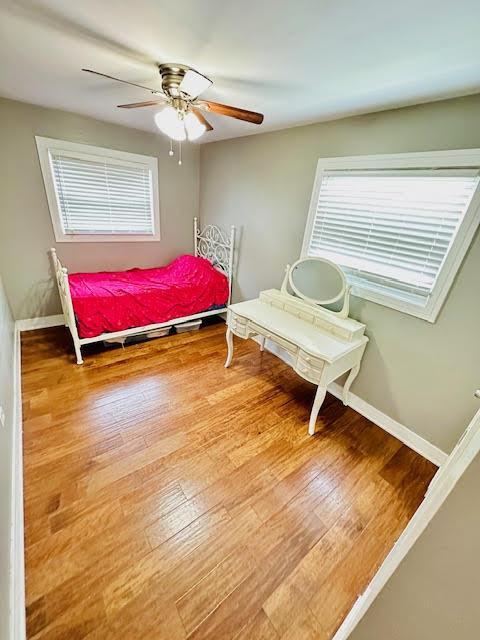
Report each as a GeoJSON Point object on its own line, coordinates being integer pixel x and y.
{"type": "Point", "coordinates": [111, 301]}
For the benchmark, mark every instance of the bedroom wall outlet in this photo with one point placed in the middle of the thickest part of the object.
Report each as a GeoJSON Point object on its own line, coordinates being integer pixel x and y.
{"type": "Point", "coordinates": [2, 417]}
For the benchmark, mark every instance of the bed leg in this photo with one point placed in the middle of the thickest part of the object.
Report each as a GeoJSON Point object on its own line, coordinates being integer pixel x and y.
{"type": "Point", "coordinates": [78, 353]}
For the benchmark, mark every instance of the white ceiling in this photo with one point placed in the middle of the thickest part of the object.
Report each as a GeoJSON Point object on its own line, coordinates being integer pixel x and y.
{"type": "Point", "coordinates": [297, 61]}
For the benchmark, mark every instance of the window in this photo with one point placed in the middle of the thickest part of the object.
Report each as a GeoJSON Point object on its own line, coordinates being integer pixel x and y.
{"type": "Point", "coordinates": [398, 225]}
{"type": "Point", "coordinates": [99, 195]}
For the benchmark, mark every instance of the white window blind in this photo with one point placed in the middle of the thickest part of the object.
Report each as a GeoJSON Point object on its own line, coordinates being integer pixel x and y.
{"type": "Point", "coordinates": [102, 195]}
{"type": "Point", "coordinates": [391, 230]}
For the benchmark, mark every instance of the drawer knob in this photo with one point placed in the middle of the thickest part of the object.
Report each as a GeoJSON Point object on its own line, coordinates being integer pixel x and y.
{"type": "Point", "coordinates": [307, 359]}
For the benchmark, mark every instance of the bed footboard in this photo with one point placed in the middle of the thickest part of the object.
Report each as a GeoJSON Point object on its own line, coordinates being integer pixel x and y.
{"type": "Point", "coordinates": [212, 243]}
{"type": "Point", "coordinates": [61, 276]}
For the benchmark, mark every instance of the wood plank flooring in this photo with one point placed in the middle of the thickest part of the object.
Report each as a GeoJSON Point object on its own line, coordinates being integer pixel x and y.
{"type": "Point", "coordinates": [169, 498]}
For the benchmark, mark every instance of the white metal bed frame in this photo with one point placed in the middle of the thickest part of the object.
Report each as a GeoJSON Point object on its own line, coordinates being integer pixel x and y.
{"type": "Point", "coordinates": [210, 242]}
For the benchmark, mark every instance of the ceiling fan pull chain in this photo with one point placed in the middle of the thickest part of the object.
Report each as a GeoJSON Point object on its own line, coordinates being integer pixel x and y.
{"type": "Point", "coordinates": [170, 153]}
{"type": "Point", "coordinates": [180, 153]}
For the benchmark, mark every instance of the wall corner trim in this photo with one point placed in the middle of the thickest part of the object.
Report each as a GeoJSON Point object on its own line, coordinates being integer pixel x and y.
{"type": "Point", "coordinates": [394, 428]}
{"type": "Point", "coordinates": [466, 449]}
{"type": "Point", "coordinates": [44, 322]}
{"type": "Point", "coordinates": [17, 558]}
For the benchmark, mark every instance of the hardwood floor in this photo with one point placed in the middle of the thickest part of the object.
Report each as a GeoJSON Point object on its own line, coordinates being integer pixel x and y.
{"type": "Point", "coordinates": [167, 497]}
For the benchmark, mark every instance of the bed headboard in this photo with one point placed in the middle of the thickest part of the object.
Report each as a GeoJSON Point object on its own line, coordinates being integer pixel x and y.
{"type": "Point", "coordinates": [215, 245]}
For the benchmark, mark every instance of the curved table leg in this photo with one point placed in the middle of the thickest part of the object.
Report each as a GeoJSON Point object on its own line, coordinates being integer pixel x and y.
{"type": "Point", "coordinates": [262, 343]}
{"type": "Point", "coordinates": [348, 383]}
{"type": "Point", "coordinates": [317, 403]}
{"type": "Point", "coordinates": [229, 339]}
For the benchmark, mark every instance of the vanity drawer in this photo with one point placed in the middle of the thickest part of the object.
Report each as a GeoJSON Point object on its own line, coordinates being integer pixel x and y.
{"type": "Point", "coordinates": [310, 361]}
{"type": "Point", "coordinates": [308, 367]}
{"type": "Point", "coordinates": [288, 346]}
{"type": "Point", "coordinates": [308, 373]}
{"type": "Point", "coordinates": [238, 325]}
{"type": "Point", "coordinates": [239, 319]}
{"type": "Point", "coordinates": [299, 313]}
{"type": "Point", "coordinates": [239, 330]}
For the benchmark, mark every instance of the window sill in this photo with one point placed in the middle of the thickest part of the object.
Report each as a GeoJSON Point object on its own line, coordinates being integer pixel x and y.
{"type": "Point", "coordinates": [428, 313]}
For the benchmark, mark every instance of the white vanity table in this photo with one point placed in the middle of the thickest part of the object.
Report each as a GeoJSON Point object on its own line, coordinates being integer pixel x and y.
{"type": "Point", "coordinates": [320, 344]}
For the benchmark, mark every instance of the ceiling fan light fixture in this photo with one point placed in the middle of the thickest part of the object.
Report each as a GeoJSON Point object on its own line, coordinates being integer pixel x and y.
{"type": "Point", "coordinates": [169, 123]}
{"type": "Point", "coordinates": [194, 127]}
{"type": "Point", "coordinates": [194, 83]}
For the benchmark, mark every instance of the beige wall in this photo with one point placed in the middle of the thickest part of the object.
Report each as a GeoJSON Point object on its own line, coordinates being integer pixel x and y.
{"type": "Point", "coordinates": [6, 450]}
{"type": "Point", "coordinates": [26, 231]}
{"type": "Point", "coordinates": [420, 374]}
{"type": "Point", "coordinates": [433, 595]}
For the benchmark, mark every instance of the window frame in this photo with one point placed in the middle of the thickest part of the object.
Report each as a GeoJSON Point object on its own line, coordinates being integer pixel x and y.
{"type": "Point", "coordinates": [46, 145]}
{"type": "Point", "coordinates": [455, 159]}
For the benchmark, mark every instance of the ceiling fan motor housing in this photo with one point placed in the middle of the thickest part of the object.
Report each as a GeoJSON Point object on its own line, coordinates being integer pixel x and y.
{"type": "Point", "coordinates": [172, 76]}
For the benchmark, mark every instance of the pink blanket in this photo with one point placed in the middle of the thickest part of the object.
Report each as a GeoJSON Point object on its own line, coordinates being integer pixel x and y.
{"type": "Point", "coordinates": [115, 300]}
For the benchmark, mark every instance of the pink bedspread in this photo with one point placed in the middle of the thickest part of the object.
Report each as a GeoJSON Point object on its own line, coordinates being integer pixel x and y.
{"type": "Point", "coordinates": [115, 300]}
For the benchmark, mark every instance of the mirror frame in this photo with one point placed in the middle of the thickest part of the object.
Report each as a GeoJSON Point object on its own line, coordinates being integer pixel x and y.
{"type": "Point", "coordinates": [342, 293]}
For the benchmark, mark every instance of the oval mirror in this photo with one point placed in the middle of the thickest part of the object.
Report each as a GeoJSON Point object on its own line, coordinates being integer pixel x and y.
{"type": "Point", "coordinates": [317, 280]}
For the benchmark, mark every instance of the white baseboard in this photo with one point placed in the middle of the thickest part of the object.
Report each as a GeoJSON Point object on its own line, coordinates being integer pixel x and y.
{"type": "Point", "coordinates": [399, 431]}
{"type": "Point", "coordinates": [30, 324]}
{"type": "Point", "coordinates": [396, 429]}
{"type": "Point", "coordinates": [17, 562]}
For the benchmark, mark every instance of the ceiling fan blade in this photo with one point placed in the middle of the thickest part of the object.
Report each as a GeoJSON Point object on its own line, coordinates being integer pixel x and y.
{"type": "Point", "coordinates": [202, 118]}
{"type": "Point", "coordinates": [194, 83]}
{"type": "Point", "coordinates": [147, 103]}
{"type": "Point", "coordinates": [133, 84]}
{"type": "Point", "coordinates": [232, 112]}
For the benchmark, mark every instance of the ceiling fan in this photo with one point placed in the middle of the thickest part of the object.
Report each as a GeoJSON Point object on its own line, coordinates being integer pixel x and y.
{"type": "Point", "coordinates": [183, 114]}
